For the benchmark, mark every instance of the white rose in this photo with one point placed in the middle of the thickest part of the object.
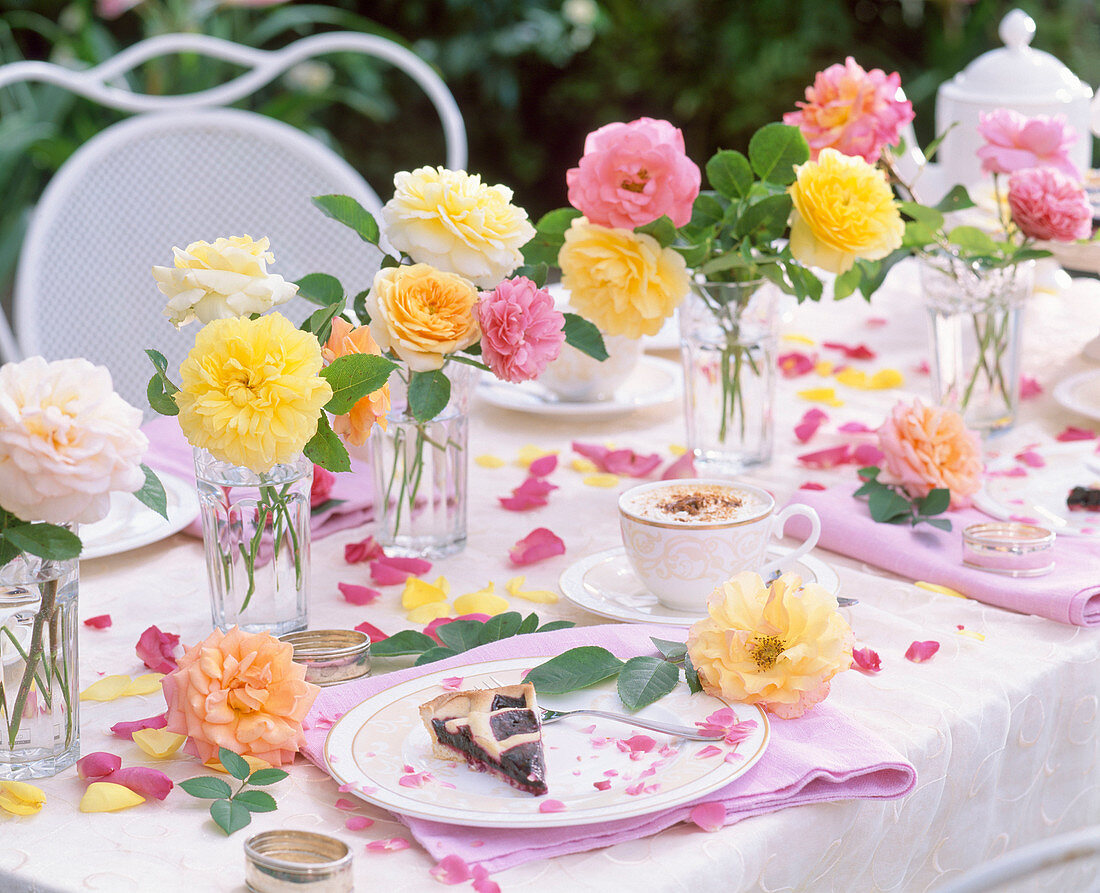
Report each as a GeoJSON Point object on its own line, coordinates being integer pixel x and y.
{"type": "Point", "coordinates": [451, 221]}
{"type": "Point", "coordinates": [66, 441]}
{"type": "Point", "coordinates": [221, 281]}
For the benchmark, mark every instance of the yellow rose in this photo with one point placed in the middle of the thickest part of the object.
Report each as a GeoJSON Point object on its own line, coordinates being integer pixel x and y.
{"type": "Point", "coordinates": [250, 391]}
{"type": "Point", "coordinates": [621, 281]}
{"type": "Point", "coordinates": [422, 314]}
{"type": "Point", "coordinates": [455, 223]}
{"type": "Point", "coordinates": [843, 211]}
{"type": "Point", "coordinates": [777, 646]}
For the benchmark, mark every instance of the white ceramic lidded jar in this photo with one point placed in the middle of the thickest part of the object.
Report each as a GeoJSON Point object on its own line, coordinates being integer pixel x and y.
{"type": "Point", "coordinates": [1017, 77]}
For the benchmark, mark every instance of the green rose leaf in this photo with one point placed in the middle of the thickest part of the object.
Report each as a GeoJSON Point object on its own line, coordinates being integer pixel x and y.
{"type": "Point", "coordinates": [958, 199]}
{"type": "Point", "coordinates": [440, 652]}
{"type": "Point", "coordinates": [229, 815]}
{"type": "Point", "coordinates": [691, 676]}
{"type": "Point", "coordinates": [730, 173]}
{"type": "Point", "coordinates": [346, 210]}
{"type": "Point", "coordinates": [529, 625]}
{"type": "Point", "coordinates": [584, 336]}
{"type": "Point", "coordinates": [429, 394]}
{"type": "Point", "coordinates": [537, 273]}
{"type": "Point", "coordinates": [320, 323]}
{"type": "Point", "coordinates": [460, 635]}
{"type": "Point", "coordinates": [266, 776]}
{"type": "Point", "coordinates": [320, 288]}
{"type": "Point", "coordinates": [161, 400]}
{"type": "Point", "coordinates": [556, 222]}
{"type": "Point", "coordinates": [671, 650]}
{"type": "Point", "coordinates": [930, 217]}
{"type": "Point", "coordinates": [662, 229]}
{"type": "Point", "coordinates": [775, 149]}
{"type": "Point", "coordinates": [359, 307]}
{"type": "Point", "coordinates": [234, 764]}
{"type": "Point", "coordinates": [645, 679]}
{"type": "Point", "coordinates": [353, 377]}
{"type": "Point", "coordinates": [502, 626]}
{"type": "Point", "coordinates": [806, 284]}
{"type": "Point", "coordinates": [47, 541]}
{"type": "Point", "coordinates": [766, 219]}
{"type": "Point", "coordinates": [574, 669]}
{"type": "Point", "coordinates": [708, 211]}
{"type": "Point", "coordinates": [556, 624]}
{"type": "Point", "coordinates": [846, 283]}
{"type": "Point", "coordinates": [152, 494]}
{"type": "Point", "coordinates": [408, 641]}
{"type": "Point", "coordinates": [549, 237]}
{"type": "Point", "coordinates": [888, 507]}
{"type": "Point", "coordinates": [256, 801]}
{"type": "Point", "coordinates": [941, 523]}
{"type": "Point", "coordinates": [206, 787]}
{"type": "Point", "coordinates": [972, 239]}
{"type": "Point", "coordinates": [935, 502]}
{"type": "Point", "coordinates": [325, 448]}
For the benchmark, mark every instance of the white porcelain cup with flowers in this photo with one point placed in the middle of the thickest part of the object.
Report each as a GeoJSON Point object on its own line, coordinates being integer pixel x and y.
{"type": "Point", "coordinates": [685, 537]}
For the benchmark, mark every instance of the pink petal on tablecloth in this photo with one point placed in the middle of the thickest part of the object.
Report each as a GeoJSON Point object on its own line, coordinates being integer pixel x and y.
{"type": "Point", "coordinates": [126, 729]}
{"type": "Point", "coordinates": [387, 571]}
{"type": "Point", "coordinates": [358, 823]}
{"type": "Point", "coordinates": [1015, 472]}
{"type": "Point", "coordinates": [451, 870]}
{"type": "Point", "coordinates": [859, 352]}
{"type": "Point", "coordinates": [451, 683]}
{"type": "Point", "coordinates": [142, 780]}
{"type": "Point", "coordinates": [390, 845]}
{"type": "Point", "coordinates": [540, 544]}
{"type": "Point", "coordinates": [827, 458]}
{"type": "Point", "coordinates": [364, 550]}
{"type": "Point", "coordinates": [430, 629]}
{"type": "Point", "coordinates": [875, 322]}
{"type": "Point", "coordinates": [919, 652]}
{"type": "Point", "coordinates": [534, 486]}
{"type": "Point", "coordinates": [807, 426]}
{"type": "Point", "coordinates": [100, 621]}
{"type": "Point", "coordinates": [812, 485]}
{"type": "Point", "coordinates": [682, 468]}
{"type": "Point", "coordinates": [482, 883]}
{"type": "Point", "coordinates": [855, 428]}
{"type": "Point", "coordinates": [522, 503]}
{"type": "Point", "coordinates": [866, 660]}
{"type": "Point", "coordinates": [97, 765]}
{"type": "Point", "coordinates": [1070, 433]}
{"type": "Point", "coordinates": [867, 454]}
{"type": "Point", "coordinates": [551, 806]}
{"type": "Point", "coordinates": [709, 816]}
{"type": "Point", "coordinates": [1029, 387]}
{"type": "Point", "coordinates": [155, 650]}
{"type": "Point", "coordinates": [357, 595]}
{"type": "Point", "coordinates": [1031, 459]}
{"type": "Point", "coordinates": [372, 631]}
{"type": "Point", "coordinates": [543, 465]}
{"type": "Point", "coordinates": [795, 363]}
{"type": "Point", "coordinates": [346, 805]}
{"type": "Point", "coordinates": [602, 785]}
{"type": "Point", "coordinates": [623, 462]}
{"type": "Point", "coordinates": [709, 751]}
{"type": "Point", "coordinates": [922, 368]}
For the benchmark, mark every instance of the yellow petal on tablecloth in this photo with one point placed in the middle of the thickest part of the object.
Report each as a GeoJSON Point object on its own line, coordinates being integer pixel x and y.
{"type": "Point", "coordinates": [147, 684]}
{"type": "Point", "coordinates": [821, 395]}
{"type": "Point", "coordinates": [936, 587]}
{"type": "Point", "coordinates": [106, 689]}
{"type": "Point", "coordinates": [541, 596]}
{"type": "Point", "coordinates": [429, 611]}
{"type": "Point", "coordinates": [487, 461]}
{"type": "Point", "coordinates": [482, 601]}
{"type": "Point", "coordinates": [601, 480]}
{"type": "Point", "coordinates": [798, 339]}
{"type": "Point", "coordinates": [254, 763]}
{"type": "Point", "coordinates": [420, 592]}
{"type": "Point", "coordinates": [824, 368]}
{"type": "Point", "coordinates": [677, 449]}
{"type": "Point", "coordinates": [583, 465]}
{"type": "Point", "coordinates": [158, 743]}
{"type": "Point", "coordinates": [104, 796]}
{"type": "Point", "coordinates": [885, 379]}
{"type": "Point", "coordinates": [20, 798]}
{"type": "Point", "coordinates": [528, 453]}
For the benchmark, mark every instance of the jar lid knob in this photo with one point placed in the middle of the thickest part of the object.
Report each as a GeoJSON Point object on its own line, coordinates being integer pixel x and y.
{"type": "Point", "coordinates": [1017, 30]}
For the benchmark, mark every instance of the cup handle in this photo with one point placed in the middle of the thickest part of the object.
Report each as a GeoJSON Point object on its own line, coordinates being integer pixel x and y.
{"type": "Point", "coordinates": [779, 522]}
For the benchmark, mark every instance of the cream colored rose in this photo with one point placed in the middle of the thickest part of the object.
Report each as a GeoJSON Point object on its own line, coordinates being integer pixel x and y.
{"type": "Point", "coordinates": [422, 314]}
{"type": "Point", "coordinates": [220, 281]}
{"type": "Point", "coordinates": [455, 223]}
{"type": "Point", "coordinates": [66, 441]}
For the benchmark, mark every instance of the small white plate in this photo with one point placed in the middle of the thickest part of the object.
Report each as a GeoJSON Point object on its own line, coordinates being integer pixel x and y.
{"type": "Point", "coordinates": [1039, 496]}
{"type": "Point", "coordinates": [130, 524]}
{"type": "Point", "coordinates": [654, 382]}
{"type": "Point", "coordinates": [1080, 393]}
{"type": "Point", "coordinates": [605, 584]}
{"type": "Point", "coordinates": [381, 741]}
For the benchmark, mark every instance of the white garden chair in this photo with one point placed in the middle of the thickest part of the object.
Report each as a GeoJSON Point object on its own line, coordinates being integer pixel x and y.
{"type": "Point", "coordinates": [184, 168]}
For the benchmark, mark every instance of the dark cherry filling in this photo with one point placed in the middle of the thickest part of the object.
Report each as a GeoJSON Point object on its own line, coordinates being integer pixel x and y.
{"type": "Point", "coordinates": [502, 701]}
{"type": "Point", "coordinates": [514, 722]}
{"type": "Point", "coordinates": [1084, 499]}
{"type": "Point", "coordinates": [521, 766]}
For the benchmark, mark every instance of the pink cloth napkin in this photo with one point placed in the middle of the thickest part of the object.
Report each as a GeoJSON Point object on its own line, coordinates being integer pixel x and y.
{"type": "Point", "coordinates": [170, 452]}
{"type": "Point", "coordinates": [1069, 594]}
{"type": "Point", "coordinates": [822, 756]}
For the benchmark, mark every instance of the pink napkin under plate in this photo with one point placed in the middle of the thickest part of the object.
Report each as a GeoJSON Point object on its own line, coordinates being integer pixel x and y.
{"type": "Point", "coordinates": [351, 502]}
{"type": "Point", "coordinates": [1069, 594]}
{"type": "Point", "coordinates": [821, 757]}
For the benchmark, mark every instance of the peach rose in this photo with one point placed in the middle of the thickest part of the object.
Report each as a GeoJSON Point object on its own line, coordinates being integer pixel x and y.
{"type": "Point", "coordinates": [422, 314]}
{"type": "Point", "coordinates": [926, 448]}
{"type": "Point", "coordinates": [240, 691]}
{"type": "Point", "coordinates": [355, 426]}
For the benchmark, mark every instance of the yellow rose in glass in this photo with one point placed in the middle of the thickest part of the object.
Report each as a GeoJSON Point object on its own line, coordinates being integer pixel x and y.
{"type": "Point", "coordinates": [844, 210]}
{"type": "Point", "coordinates": [777, 646]}
{"type": "Point", "coordinates": [251, 392]}
{"type": "Point", "coordinates": [422, 314]}
{"type": "Point", "coordinates": [622, 281]}
{"type": "Point", "coordinates": [455, 223]}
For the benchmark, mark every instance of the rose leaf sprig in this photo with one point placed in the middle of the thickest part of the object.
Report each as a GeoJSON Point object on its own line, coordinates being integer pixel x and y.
{"type": "Point", "coordinates": [890, 504]}
{"type": "Point", "coordinates": [232, 810]}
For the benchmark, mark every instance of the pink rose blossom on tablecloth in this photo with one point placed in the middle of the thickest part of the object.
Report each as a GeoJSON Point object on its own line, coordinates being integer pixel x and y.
{"type": "Point", "coordinates": [321, 488]}
{"type": "Point", "coordinates": [633, 173]}
{"type": "Point", "coordinates": [1046, 204]}
{"type": "Point", "coordinates": [372, 631]}
{"type": "Point", "coordinates": [858, 352]}
{"type": "Point", "coordinates": [795, 364]}
{"type": "Point", "coordinates": [854, 111]}
{"type": "Point", "coordinates": [521, 332]}
{"type": "Point", "coordinates": [155, 648]}
{"type": "Point", "coordinates": [100, 621]}
{"type": "Point", "coordinates": [919, 652]}
{"type": "Point", "coordinates": [709, 816]}
{"type": "Point", "coordinates": [540, 544]}
{"type": "Point", "coordinates": [681, 468]}
{"type": "Point", "coordinates": [126, 729]}
{"type": "Point", "coordinates": [926, 447]}
{"type": "Point", "coordinates": [1072, 433]}
{"type": "Point", "coordinates": [1015, 142]}
{"type": "Point", "coordinates": [364, 550]}
{"type": "Point", "coordinates": [1029, 387]}
{"type": "Point", "coordinates": [866, 660]}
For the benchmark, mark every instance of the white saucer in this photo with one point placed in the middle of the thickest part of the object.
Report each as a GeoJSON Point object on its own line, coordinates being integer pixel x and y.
{"type": "Point", "coordinates": [654, 382]}
{"type": "Point", "coordinates": [1080, 393]}
{"type": "Point", "coordinates": [605, 584]}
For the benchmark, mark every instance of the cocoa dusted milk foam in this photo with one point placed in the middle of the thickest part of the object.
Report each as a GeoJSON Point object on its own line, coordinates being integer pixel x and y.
{"type": "Point", "coordinates": [688, 504]}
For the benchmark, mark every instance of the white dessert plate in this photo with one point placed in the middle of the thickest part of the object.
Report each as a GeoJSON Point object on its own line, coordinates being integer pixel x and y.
{"type": "Point", "coordinates": [1080, 393]}
{"type": "Point", "coordinates": [130, 524]}
{"type": "Point", "coordinates": [655, 381]}
{"type": "Point", "coordinates": [605, 584]}
{"type": "Point", "coordinates": [1039, 495]}
{"type": "Point", "coordinates": [382, 752]}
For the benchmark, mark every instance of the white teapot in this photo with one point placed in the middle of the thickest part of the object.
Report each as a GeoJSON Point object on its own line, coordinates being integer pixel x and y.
{"type": "Point", "coordinates": [1017, 77]}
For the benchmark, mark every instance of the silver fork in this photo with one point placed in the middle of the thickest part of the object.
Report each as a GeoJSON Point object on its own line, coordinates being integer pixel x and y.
{"type": "Point", "coordinates": [549, 716]}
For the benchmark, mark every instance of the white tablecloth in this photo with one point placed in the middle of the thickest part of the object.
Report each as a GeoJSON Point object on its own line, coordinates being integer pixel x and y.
{"type": "Point", "coordinates": [1003, 732]}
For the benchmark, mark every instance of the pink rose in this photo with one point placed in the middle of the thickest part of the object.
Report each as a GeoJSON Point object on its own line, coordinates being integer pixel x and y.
{"type": "Point", "coordinates": [1046, 204]}
{"type": "Point", "coordinates": [321, 489]}
{"type": "Point", "coordinates": [631, 174]}
{"type": "Point", "coordinates": [854, 111]}
{"type": "Point", "coordinates": [521, 332]}
{"type": "Point", "coordinates": [1014, 142]}
{"type": "Point", "coordinates": [926, 448]}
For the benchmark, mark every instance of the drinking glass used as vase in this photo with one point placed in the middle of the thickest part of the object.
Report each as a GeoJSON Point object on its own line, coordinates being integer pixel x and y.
{"type": "Point", "coordinates": [39, 688]}
{"type": "Point", "coordinates": [255, 530]}
{"type": "Point", "coordinates": [975, 314]}
{"type": "Point", "coordinates": [729, 333]}
{"type": "Point", "coordinates": [420, 471]}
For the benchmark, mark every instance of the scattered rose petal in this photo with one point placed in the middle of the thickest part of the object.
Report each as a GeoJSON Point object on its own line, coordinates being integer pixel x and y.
{"type": "Point", "coordinates": [103, 796]}
{"type": "Point", "coordinates": [821, 395]}
{"type": "Point", "coordinates": [709, 816]}
{"type": "Point", "coordinates": [387, 571]}
{"type": "Point", "coordinates": [875, 322]}
{"type": "Point", "coordinates": [855, 428]}
{"type": "Point", "coordinates": [155, 648]}
{"type": "Point", "coordinates": [146, 684]}
{"type": "Point", "coordinates": [429, 612]}
{"type": "Point", "coordinates": [97, 765]}
{"type": "Point", "coordinates": [419, 592]}
{"type": "Point", "coordinates": [1031, 459]}
{"type": "Point", "coordinates": [543, 465]}
{"type": "Point", "coordinates": [390, 845]}
{"type": "Point", "coordinates": [1025, 519]}
{"type": "Point", "coordinates": [489, 461]}
{"type": "Point", "coordinates": [600, 480]}
{"type": "Point", "coordinates": [866, 660]}
{"type": "Point", "coordinates": [483, 601]}
{"type": "Point", "coordinates": [640, 743]}
{"type": "Point", "coordinates": [538, 545]}
{"type": "Point", "coordinates": [919, 652]}
{"type": "Point", "coordinates": [823, 368]}
{"type": "Point", "coordinates": [1071, 433]}
{"type": "Point", "coordinates": [798, 339]}
{"type": "Point", "coordinates": [709, 751]}
{"type": "Point", "coordinates": [141, 780]}
{"type": "Point", "coordinates": [827, 458]}
{"type": "Point", "coordinates": [20, 798]}
{"type": "Point", "coordinates": [936, 587]}
{"type": "Point", "coordinates": [482, 884]}
{"type": "Point", "coordinates": [795, 364]}
{"type": "Point", "coordinates": [584, 466]}
{"type": "Point", "coordinates": [1015, 472]}
{"type": "Point", "coordinates": [866, 454]}
{"type": "Point", "coordinates": [922, 368]}
{"type": "Point", "coordinates": [853, 378]}
{"type": "Point", "coordinates": [859, 352]}
{"type": "Point", "coordinates": [357, 595]}
{"type": "Point", "coordinates": [451, 683]}
{"type": "Point", "coordinates": [681, 469]}
{"type": "Point", "coordinates": [451, 870]}
{"type": "Point", "coordinates": [364, 550]}
{"type": "Point", "coordinates": [812, 485]}
{"type": "Point", "coordinates": [106, 689]}
{"type": "Point", "coordinates": [529, 453]}
{"type": "Point", "coordinates": [635, 789]}
{"type": "Point", "coordinates": [886, 379]}
{"type": "Point", "coordinates": [372, 631]}
{"type": "Point", "coordinates": [620, 462]}
{"type": "Point", "coordinates": [522, 503]}
{"type": "Point", "coordinates": [514, 587]}
{"type": "Point", "coordinates": [551, 806]}
{"type": "Point", "coordinates": [358, 823]}
{"type": "Point", "coordinates": [100, 621]}
{"type": "Point", "coordinates": [808, 425]}
{"type": "Point", "coordinates": [602, 785]}
{"type": "Point", "coordinates": [127, 729]}
{"type": "Point", "coordinates": [345, 804]}
{"type": "Point", "coordinates": [158, 743]}
{"type": "Point", "coordinates": [254, 763]}
{"type": "Point", "coordinates": [1029, 387]}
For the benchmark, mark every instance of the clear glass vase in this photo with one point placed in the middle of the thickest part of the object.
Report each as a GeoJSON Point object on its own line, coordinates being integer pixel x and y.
{"type": "Point", "coordinates": [39, 689]}
{"type": "Point", "coordinates": [255, 530]}
{"type": "Point", "coordinates": [975, 316]}
{"type": "Point", "coordinates": [728, 340]}
{"type": "Point", "coordinates": [420, 471]}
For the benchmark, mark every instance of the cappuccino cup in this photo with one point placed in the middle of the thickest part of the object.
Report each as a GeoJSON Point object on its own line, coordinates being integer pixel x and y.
{"type": "Point", "coordinates": [683, 538]}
